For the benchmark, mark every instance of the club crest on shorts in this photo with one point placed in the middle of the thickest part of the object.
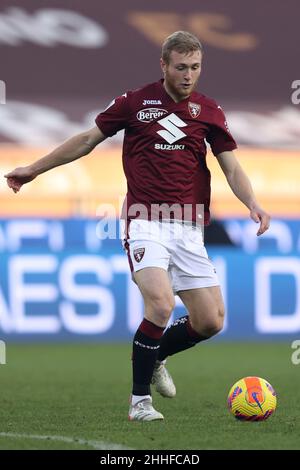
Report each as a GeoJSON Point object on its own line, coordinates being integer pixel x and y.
{"type": "Point", "coordinates": [138, 254]}
{"type": "Point", "coordinates": [194, 109]}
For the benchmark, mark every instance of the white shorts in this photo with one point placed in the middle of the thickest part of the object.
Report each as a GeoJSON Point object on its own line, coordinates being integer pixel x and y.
{"type": "Point", "coordinates": [173, 246]}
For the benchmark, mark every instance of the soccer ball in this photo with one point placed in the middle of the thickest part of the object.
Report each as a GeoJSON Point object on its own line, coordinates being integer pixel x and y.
{"type": "Point", "coordinates": [252, 399]}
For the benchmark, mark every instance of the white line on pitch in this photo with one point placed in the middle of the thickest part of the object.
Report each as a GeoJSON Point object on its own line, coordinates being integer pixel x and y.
{"type": "Point", "coordinates": [99, 445]}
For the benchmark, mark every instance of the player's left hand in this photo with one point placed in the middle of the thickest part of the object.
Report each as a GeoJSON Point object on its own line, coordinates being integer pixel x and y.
{"type": "Point", "coordinates": [259, 215]}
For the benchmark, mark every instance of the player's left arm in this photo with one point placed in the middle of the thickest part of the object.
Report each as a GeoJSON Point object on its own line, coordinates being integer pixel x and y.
{"type": "Point", "coordinates": [241, 187]}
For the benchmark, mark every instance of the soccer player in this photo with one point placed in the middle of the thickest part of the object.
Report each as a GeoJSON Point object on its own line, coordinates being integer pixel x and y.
{"type": "Point", "coordinates": [164, 159]}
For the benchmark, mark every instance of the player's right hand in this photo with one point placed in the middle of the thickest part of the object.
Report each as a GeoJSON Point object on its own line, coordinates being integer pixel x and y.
{"type": "Point", "coordinates": [18, 177]}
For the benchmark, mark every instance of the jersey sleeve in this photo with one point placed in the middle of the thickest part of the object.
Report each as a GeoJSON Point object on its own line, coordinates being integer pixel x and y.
{"type": "Point", "coordinates": [219, 136]}
{"type": "Point", "coordinates": [114, 117]}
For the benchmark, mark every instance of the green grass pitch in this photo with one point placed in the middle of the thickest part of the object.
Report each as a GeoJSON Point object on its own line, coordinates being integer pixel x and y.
{"type": "Point", "coordinates": [79, 393]}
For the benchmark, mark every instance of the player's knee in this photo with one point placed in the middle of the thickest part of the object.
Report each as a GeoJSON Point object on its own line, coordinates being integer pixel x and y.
{"type": "Point", "coordinates": [212, 325]}
{"type": "Point", "coordinates": [160, 309]}
{"type": "Point", "coordinates": [215, 325]}
{"type": "Point", "coordinates": [164, 309]}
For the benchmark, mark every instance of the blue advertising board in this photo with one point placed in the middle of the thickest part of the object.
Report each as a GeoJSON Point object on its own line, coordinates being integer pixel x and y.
{"type": "Point", "coordinates": [59, 281]}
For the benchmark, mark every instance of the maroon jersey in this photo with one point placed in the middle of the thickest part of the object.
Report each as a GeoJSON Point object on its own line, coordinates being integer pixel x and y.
{"type": "Point", "coordinates": [164, 151]}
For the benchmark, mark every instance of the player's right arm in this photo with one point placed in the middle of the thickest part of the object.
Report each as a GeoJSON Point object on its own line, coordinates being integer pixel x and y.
{"type": "Point", "coordinates": [74, 148]}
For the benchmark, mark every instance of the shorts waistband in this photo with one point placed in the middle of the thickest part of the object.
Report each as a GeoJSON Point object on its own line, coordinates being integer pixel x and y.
{"type": "Point", "coordinates": [180, 221]}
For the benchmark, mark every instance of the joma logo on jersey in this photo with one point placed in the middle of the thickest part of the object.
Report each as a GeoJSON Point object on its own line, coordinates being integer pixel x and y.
{"type": "Point", "coordinates": [145, 102]}
{"type": "Point", "coordinates": [171, 124]}
{"type": "Point", "coordinates": [150, 114]}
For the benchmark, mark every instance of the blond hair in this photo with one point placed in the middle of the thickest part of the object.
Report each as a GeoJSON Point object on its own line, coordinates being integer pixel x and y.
{"type": "Point", "coordinates": [182, 42]}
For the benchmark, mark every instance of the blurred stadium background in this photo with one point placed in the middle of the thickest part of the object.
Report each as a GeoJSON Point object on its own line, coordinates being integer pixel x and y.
{"type": "Point", "coordinates": [62, 63]}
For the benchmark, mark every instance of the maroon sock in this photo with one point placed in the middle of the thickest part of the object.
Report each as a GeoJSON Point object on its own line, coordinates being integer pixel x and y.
{"type": "Point", "coordinates": [178, 337]}
{"type": "Point", "coordinates": [144, 354]}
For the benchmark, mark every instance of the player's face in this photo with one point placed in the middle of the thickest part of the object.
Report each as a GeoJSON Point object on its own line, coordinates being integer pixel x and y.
{"type": "Point", "coordinates": [181, 73]}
